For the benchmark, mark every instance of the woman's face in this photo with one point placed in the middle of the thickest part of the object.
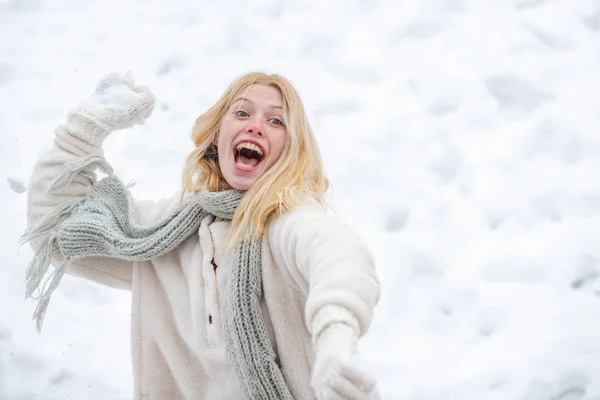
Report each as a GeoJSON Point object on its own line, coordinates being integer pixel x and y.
{"type": "Point", "coordinates": [251, 136]}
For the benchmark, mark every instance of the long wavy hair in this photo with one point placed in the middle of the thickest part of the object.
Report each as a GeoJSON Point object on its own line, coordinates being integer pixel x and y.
{"type": "Point", "coordinates": [298, 173]}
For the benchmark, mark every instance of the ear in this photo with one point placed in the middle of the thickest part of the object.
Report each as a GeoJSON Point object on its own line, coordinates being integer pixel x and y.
{"type": "Point", "coordinates": [213, 152]}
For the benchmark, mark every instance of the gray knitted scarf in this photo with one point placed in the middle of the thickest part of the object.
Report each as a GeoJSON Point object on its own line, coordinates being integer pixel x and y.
{"type": "Point", "coordinates": [102, 225]}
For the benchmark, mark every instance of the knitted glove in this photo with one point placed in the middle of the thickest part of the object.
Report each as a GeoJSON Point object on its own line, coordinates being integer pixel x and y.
{"type": "Point", "coordinates": [335, 374]}
{"type": "Point", "coordinates": [117, 103]}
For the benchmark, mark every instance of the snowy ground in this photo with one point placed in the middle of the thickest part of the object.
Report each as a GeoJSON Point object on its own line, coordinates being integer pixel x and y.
{"type": "Point", "coordinates": [462, 138]}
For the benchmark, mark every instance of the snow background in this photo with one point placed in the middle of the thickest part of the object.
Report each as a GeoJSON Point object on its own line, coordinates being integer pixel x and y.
{"type": "Point", "coordinates": [462, 139]}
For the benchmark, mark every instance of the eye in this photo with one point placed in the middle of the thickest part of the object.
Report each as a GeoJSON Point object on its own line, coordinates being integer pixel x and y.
{"type": "Point", "coordinates": [276, 121]}
{"type": "Point", "coordinates": [241, 113]}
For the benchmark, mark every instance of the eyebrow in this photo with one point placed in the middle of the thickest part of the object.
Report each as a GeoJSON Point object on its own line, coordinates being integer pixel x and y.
{"type": "Point", "coordinates": [250, 101]}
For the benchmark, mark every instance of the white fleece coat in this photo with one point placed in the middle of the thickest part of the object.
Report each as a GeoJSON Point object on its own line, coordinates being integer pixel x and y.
{"type": "Point", "coordinates": [310, 259]}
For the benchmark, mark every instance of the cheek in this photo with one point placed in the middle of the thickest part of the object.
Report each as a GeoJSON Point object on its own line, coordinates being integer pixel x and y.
{"type": "Point", "coordinates": [224, 134]}
{"type": "Point", "coordinates": [278, 145]}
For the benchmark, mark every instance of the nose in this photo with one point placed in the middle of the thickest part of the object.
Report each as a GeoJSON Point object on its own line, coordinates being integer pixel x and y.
{"type": "Point", "coordinates": [256, 126]}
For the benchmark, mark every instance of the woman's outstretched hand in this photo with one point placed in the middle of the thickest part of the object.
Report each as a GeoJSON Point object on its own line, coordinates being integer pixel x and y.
{"type": "Point", "coordinates": [336, 375]}
{"type": "Point", "coordinates": [117, 103]}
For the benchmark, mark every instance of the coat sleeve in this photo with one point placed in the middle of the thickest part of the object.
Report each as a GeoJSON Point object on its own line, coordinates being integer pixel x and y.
{"type": "Point", "coordinates": [104, 270]}
{"type": "Point", "coordinates": [326, 255]}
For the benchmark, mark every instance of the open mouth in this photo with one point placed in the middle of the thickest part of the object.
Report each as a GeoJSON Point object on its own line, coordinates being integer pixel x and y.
{"type": "Point", "coordinates": [248, 156]}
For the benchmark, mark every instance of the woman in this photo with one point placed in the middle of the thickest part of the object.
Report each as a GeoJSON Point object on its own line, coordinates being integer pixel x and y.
{"type": "Point", "coordinates": [243, 285]}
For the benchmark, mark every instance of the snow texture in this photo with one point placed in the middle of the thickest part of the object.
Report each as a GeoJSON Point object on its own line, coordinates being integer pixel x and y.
{"type": "Point", "coordinates": [16, 185]}
{"type": "Point", "coordinates": [118, 95]}
{"type": "Point", "coordinates": [461, 138]}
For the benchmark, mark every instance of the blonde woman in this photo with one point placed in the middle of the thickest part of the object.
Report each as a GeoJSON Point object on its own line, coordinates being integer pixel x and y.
{"type": "Point", "coordinates": [243, 285]}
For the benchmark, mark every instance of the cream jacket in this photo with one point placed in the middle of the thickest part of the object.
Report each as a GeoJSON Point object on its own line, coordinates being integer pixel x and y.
{"type": "Point", "coordinates": [311, 259]}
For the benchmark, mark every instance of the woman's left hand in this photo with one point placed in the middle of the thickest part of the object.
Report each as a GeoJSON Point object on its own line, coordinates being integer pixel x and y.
{"type": "Point", "coordinates": [336, 375]}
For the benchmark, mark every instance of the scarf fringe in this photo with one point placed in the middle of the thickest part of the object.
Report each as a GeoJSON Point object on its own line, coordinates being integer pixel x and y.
{"type": "Point", "coordinates": [78, 166]}
{"type": "Point", "coordinates": [38, 267]}
{"type": "Point", "coordinates": [44, 300]}
{"type": "Point", "coordinates": [46, 228]}
{"type": "Point", "coordinates": [50, 220]}
{"type": "Point", "coordinates": [38, 288]}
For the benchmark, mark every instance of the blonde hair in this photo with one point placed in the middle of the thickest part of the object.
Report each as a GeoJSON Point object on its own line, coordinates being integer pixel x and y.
{"type": "Point", "coordinates": [297, 173]}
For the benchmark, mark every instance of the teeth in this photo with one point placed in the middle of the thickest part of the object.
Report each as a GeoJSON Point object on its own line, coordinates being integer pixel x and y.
{"type": "Point", "coordinates": [249, 146]}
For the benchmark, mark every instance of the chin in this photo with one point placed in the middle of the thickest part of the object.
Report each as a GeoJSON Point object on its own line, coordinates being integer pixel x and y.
{"type": "Point", "coordinates": [241, 184]}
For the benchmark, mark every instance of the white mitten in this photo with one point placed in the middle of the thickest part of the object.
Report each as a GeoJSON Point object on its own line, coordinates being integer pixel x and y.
{"type": "Point", "coordinates": [335, 374]}
{"type": "Point", "coordinates": [117, 103]}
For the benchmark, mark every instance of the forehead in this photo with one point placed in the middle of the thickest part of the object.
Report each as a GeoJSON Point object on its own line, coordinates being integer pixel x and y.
{"type": "Point", "coordinates": [257, 93]}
